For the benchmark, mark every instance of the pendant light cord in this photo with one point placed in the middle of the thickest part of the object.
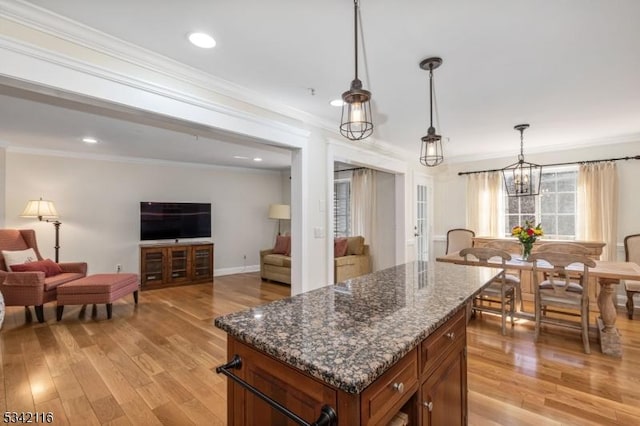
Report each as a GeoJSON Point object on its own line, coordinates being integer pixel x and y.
{"type": "Point", "coordinates": [355, 33]}
{"type": "Point", "coordinates": [430, 95]}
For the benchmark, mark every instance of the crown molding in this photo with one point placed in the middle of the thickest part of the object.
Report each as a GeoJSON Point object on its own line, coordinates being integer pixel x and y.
{"type": "Point", "coordinates": [69, 30]}
{"type": "Point", "coordinates": [553, 147]}
{"type": "Point", "coordinates": [135, 160]}
{"type": "Point", "coordinates": [299, 134]}
{"type": "Point", "coordinates": [65, 29]}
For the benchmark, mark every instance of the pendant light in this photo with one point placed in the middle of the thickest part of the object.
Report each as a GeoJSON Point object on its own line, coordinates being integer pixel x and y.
{"type": "Point", "coordinates": [355, 123]}
{"type": "Point", "coordinates": [431, 152]}
{"type": "Point", "coordinates": [522, 179]}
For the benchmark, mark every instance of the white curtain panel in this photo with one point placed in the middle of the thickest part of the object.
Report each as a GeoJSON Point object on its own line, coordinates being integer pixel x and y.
{"type": "Point", "coordinates": [363, 206]}
{"type": "Point", "coordinates": [598, 206]}
{"type": "Point", "coordinates": [485, 205]}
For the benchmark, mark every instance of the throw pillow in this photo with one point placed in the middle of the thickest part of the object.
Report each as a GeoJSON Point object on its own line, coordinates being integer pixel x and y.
{"type": "Point", "coordinates": [48, 266]}
{"type": "Point", "coordinates": [18, 256]}
{"type": "Point", "coordinates": [340, 247]}
{"type": "Point", "coordinates": [355, 245]}
{"type": "Point", "coordinates": [283, 245]}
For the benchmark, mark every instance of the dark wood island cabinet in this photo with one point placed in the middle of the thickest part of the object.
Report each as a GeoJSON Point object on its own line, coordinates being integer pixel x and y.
{"type": "Point", "coordinates": [389, 344]}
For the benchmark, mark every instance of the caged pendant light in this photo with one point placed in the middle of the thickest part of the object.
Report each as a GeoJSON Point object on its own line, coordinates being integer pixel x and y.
{"type": "Point", "coordinates": [522, 179]}
{"type": "Point", "coordinates": [356, 123]}
{"type": "Point", "coordinates": [431, 151]}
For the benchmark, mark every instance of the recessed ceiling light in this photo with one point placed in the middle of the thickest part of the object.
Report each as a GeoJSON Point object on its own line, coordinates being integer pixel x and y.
{"type": "Point", "coordinates": [89, 140]}
{"type": "Point", "coordinates": [337, 102]}
{"type": "Point", "coordinates": [240, 157]}
{"type": "Point", "coordinates": [257, 159]}
{"type": "Point", "coordinates": [202, 40]}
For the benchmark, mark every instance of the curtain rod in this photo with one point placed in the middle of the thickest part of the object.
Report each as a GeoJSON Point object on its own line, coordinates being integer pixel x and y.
{"type": "Point", "coordinates": [348, 170]}
{"type": "Point", "coordinates": [635, 157]}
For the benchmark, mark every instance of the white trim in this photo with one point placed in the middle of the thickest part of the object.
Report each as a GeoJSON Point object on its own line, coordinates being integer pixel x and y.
{"type": "Point", "coordinates": [235, 270]}
{"type": "Point", "coordinates": [298, 134]}
{"type": "Point", "coordinates": [66, 29]}
{"type": "Point", "coordinates": [134, 160]}
{"type": "Point", "coordinates": [551, 148]}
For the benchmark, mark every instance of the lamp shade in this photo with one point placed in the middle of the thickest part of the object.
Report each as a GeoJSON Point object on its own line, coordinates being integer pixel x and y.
{"type": "Point", "coordinates": [40, 208]}
{"type": "Point", "coordinates": [279, 211]}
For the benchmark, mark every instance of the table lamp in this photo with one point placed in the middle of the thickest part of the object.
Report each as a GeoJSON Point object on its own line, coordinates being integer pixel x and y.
{"type": "Point", "coordinates": [279, 211]}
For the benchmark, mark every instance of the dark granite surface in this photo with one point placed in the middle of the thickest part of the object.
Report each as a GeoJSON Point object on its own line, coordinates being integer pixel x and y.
{"type": "Point", "coordinates": [350, 333]}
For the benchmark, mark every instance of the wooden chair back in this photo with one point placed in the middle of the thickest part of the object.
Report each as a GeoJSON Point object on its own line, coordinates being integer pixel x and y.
{"type": "Point", "coordinates": [632, 248]}
{"type": "Point", "coordinates": [556, 272]}
{"type": "Point", "coordinates": [483, 254]}
{"type": "Point", "coordinates": [458, 239]}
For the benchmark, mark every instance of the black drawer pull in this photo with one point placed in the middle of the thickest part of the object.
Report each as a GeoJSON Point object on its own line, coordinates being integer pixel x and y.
{"type": "Point", "coordinates": [328, 416]}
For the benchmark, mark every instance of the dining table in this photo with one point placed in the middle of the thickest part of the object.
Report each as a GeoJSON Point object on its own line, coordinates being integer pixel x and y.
{"type": "Point", "coordinates": [606, 273]}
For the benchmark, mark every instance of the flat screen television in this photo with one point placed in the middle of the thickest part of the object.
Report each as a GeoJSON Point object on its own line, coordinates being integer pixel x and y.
{"type": "Point", "coordinates": [172, 221]}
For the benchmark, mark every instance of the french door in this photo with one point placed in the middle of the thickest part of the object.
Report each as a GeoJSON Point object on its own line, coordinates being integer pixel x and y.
{"type": "Point", "coordinates": [423, 213]}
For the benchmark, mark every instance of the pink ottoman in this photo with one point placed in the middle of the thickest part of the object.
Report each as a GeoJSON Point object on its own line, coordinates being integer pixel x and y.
{"type": "Point", "coordinates": [98, 288]}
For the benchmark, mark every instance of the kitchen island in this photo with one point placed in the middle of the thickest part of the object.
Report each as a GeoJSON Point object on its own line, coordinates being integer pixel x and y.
{"type": "Point", "coordinates": [384, 345]}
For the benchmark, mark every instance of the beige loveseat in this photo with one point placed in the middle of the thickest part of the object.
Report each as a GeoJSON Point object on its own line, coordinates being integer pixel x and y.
{"type": "Point", "coordinates": [356, 262]}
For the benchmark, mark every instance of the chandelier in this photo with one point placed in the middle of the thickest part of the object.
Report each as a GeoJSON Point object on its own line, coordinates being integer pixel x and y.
{"type": "Point", "coordinates": [431, 151]}
{"type": "Point", "coordinates": [356, 123]}
{"type": "Point", "coordinates": [522, 178]}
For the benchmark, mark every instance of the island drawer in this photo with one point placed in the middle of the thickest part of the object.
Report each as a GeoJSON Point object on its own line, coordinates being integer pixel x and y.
{"type": "Point", "coordinates": [441, 342]}
{"type": "Point", "coordinates": [384, 397]}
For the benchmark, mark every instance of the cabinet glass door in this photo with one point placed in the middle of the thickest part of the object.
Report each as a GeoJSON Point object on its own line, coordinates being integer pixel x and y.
{"type": "Point", "coordinates": [153, 270]}
{"type": "Point", "coordinates": [202, 262]}
{"type": "Point", "coordinates": [178, 265]}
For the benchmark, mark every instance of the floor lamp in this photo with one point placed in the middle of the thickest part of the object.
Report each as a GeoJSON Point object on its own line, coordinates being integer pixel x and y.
{"type": "Point", "coordinates": [280, 212]}
{"type": "Point", "coordinates": [44, 209]}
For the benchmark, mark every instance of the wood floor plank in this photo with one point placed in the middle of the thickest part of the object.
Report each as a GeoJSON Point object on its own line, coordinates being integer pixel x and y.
{"type": "Point", "coordinates": [172, 388]}
{"type": "Point", "coordinates": [79, 411]}
{"type": "Point", "coordinates": [139, 413]}
{"type": "Point", "coordinates": [117, 383]}
{"type": "Point", "coordinates": [42, 386]}
{"type": "Point", "coordinates": [16, 380]}
{"type": "Point", "coordinates": [171, 414]}
{"type": "Point", "coordinates": [153, 364]}
{"type": "Point", "coordinates": [153, 395]}
{"type": "Point", "coordinates": [92, 384]}
{"type": "Point", "coordinates": [199, 414]}
{"type": "Point", "coordinates": [55, 407]}
{"type": "Point", "coordinates": [107, 409]}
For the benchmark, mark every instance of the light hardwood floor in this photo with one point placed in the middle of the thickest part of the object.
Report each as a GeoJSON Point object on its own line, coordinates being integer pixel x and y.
{"type": "Point", "coordinates": [153, 364]}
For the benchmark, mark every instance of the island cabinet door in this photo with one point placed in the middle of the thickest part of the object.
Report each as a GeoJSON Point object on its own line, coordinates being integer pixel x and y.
{"type": "Point", "coordinates": [298, 392]}
{"type": "Point", "coordinates": [444, 393]}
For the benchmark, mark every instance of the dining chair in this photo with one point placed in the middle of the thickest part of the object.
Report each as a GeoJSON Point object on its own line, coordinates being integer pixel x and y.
{"type": "Point", "coordinates": [458, 239]}
{"type": "Point", "coordinates": [499, 291]}
{"type": "Point", "coordinates": [564, 289]}
{"type": "Point", "coordinates": [631, 254]}
{"type": "Point", "coordinates": [512, 276]}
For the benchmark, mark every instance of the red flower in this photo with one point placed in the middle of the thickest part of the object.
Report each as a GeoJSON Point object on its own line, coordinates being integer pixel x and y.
{"type": "Point", "coordinates": [530, 231]}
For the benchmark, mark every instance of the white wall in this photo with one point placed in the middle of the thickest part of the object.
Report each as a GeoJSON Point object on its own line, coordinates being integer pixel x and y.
{"type": "Point", "coordinates": [3, 169]}
{"type": "Point", "coordinates": [383, 251]}
{"type": "Point", "coordinates": [98, 202]}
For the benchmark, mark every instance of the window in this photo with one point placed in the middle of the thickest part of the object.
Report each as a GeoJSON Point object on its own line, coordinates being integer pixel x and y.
{"type": "Point", "coordinates": [342, 208]}
{"type": "Point", "coordinates": [555, 207]}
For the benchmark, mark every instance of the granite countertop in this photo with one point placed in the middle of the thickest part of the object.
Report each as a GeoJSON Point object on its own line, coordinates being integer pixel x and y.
{"type": "Point", "coordinates": [350, 333]}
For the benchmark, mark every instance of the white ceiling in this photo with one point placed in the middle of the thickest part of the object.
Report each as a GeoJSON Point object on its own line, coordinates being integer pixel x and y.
{"type": "Point", "coordinates": [569, 68]}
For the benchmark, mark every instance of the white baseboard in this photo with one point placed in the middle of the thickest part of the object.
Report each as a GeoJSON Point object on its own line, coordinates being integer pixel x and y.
{"type": "Point", "coordinates": [236, 270]}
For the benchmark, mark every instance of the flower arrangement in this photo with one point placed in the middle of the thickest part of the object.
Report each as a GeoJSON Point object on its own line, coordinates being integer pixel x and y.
{"type": "Point", "coordinates": [527, 235]}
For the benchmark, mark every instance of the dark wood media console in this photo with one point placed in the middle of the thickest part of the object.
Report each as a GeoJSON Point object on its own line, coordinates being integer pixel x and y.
{"type": "Point", "coordinates": [171, 264]}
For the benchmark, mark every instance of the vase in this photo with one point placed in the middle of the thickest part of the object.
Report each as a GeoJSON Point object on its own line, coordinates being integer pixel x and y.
{"type": "Point", "coordinates": [526, 250]}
